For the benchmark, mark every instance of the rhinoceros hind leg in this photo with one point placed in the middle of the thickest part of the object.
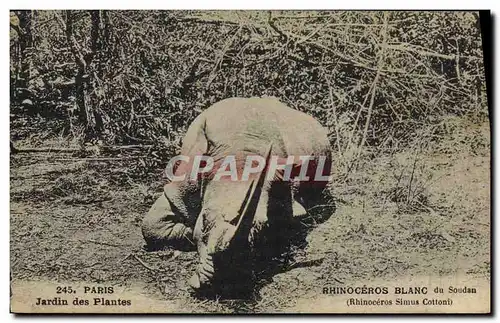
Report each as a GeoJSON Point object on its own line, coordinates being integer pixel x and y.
{"type": "Point", "coordinates": [161, 228]}
{"type": "Point", "coordinates": [318, 203]}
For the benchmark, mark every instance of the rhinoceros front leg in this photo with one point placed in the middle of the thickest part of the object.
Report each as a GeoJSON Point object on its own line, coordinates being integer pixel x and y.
{"type": "Point", "coordinates": [269, 236]}
{"type": "Point", "coordinates": [162, 228]}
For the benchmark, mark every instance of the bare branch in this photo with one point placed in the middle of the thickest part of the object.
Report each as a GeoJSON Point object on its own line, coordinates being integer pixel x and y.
{"type": "Point", "coordinates": [380, 64]}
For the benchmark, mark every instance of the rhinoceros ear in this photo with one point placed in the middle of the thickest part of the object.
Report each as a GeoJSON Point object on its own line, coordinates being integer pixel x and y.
{"type": "Point", "coordinates": [195, 140]}
{"type": "Point", "coordinates": [248, 207]}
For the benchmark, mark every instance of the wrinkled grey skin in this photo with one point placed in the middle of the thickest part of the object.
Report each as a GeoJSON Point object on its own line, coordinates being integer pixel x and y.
{"type": "Point", "coordinates": [203, 214]}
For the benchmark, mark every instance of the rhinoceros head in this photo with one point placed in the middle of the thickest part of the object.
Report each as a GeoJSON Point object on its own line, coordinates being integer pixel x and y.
{"type": "Point", "coordinates": [223, 246]}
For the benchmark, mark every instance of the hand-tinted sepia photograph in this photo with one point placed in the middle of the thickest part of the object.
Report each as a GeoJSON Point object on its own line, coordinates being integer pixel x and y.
{"type": "Point", "coordinates": [249, 162]}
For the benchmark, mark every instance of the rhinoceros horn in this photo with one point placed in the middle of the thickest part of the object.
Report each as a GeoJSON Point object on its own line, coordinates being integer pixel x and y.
{"type": "Point", "coordinates": [248, 208]}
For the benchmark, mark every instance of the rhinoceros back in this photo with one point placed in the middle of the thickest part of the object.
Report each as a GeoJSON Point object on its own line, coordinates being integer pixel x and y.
{"type": "Point", "coordinates": [247, 126]}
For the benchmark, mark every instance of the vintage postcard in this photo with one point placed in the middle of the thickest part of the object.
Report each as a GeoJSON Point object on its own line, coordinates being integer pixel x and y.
{"type": "Point", "coordinates": [249, 161]}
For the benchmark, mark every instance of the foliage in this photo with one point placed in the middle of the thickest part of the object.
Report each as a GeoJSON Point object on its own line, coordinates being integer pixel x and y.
{"type": "Point", "coordinates": [372, 78]}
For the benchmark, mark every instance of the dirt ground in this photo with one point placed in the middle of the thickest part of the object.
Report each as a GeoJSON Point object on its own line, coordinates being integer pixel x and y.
{"type": "Point", "coordinates": [407, 213]}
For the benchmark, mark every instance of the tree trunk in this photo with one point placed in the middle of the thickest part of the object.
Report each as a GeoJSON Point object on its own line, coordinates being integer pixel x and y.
{"type": "Point", "coordinates": [81, 76]}
{"type": "Point", "coordinates": [99, 34]}
{"type": "Point", "coordinates": [89, 68]}
{"type": "Point", "coordinates": [23, 70]}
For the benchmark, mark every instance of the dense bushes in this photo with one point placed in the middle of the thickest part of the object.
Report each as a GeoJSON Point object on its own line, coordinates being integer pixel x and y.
{"type": "Point", "coordinates": [373, 78]}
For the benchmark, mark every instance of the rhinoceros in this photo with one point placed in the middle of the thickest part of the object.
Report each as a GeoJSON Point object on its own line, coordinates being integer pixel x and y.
{"type": "Point", "coordinates": [223, 219]}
